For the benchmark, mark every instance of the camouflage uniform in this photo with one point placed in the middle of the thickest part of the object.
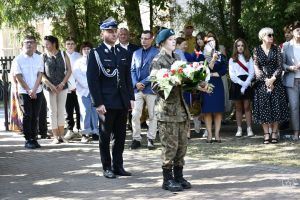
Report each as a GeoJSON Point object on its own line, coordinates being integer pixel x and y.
{"type": "Point", "coordinates": [172, 115]}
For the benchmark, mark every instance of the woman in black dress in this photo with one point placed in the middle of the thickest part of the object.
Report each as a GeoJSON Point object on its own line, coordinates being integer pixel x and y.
{"type": "Point", "coordinates": [270, 102]}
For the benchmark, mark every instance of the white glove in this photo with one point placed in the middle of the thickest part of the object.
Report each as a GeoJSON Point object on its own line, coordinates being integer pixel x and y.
{"type": "Point", "coordinates": [240, 82]}
{"type": "Point", "coordinates": [243, 83]}
{"type": "Point", "coordinates": [243, 89]}
{"type": "Point", "coordinates": [248, 82]}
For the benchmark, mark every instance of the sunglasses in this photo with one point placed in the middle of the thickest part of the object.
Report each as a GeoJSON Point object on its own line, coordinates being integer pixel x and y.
{"type": "Point", "coordinates": [270, 35]}
{"type": "Point", "coordinates": [240, 45]}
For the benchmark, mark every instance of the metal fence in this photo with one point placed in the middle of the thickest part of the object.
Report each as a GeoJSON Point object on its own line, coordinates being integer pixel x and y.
{"type": "Point", "coordinates": [5, 67]}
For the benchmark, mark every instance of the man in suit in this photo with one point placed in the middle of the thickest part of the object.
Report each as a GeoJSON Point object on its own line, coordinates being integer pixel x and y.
{"type": "Point", "coordinates": [123, 35]}
{"type": "Point", "coordinates": [291, 78]}
{"type": "Point", "coordinates": [110, 85]}
{"type": "Point", "coordinates": [140, 71]}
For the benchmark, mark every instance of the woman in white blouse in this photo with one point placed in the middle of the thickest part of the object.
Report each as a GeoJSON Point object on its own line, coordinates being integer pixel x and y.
{"type": "Point", "coordinates": [241, 71]}
{"type": "Point", "coordinates": [88, 114]}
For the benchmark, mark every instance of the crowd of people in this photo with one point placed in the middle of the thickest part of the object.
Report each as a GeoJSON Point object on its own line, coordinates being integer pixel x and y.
{"type": "Point", "coordinates": [109, 84]}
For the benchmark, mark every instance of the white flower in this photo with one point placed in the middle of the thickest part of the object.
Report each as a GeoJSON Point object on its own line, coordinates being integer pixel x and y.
{"type": "Point", "coordinates": [177, 64]}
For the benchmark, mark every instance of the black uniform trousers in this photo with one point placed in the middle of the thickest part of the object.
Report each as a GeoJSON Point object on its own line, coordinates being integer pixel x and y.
{"type": "Point", "coordinates": [31, 109]}
{"type": "Point", "coordinates": [114, 125]}
{"type": "Point", "coordinates": [71, 104]}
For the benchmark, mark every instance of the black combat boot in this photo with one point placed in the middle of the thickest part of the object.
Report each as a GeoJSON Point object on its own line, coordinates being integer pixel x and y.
{"type": "Point", "coordinates": [178, 176]}
{"type": "Point", "coordinates": [169, 182]}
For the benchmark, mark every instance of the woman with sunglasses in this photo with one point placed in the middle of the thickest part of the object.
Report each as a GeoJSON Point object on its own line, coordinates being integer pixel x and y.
{"type": "Point", "coordinates": [269, 102]}
{"type": "Point", "coordinates": [241, 72]}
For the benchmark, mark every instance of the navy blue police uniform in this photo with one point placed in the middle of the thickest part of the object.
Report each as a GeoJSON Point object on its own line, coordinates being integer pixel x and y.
{"type": "Point", "coordinates": [109, 81]}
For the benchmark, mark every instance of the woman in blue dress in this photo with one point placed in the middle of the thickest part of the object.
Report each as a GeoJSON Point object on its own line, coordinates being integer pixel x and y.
{"type": "Point", "coordinates": [213, 103]}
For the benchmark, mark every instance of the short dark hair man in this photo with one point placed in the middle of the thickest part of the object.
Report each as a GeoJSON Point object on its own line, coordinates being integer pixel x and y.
{"type": "Point", "coordinates": [140, 74]}
{"type": "Point", "coordinates": [109, 80]}
{"type": "Point", "coordinates": [28, 68]}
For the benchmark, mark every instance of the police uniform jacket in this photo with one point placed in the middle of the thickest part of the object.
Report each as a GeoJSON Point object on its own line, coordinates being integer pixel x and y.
{"type": "Point", "coordinates": [174, 108]}
{"type": "Point", "coordinates": [113, 92]}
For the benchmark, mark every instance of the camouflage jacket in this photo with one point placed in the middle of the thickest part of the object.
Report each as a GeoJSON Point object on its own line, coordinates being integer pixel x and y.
{"type": "Point", "coordinates": [174, 108]}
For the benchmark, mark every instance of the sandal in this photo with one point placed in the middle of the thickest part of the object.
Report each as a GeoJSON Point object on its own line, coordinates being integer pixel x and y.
{"type": "Point", "coordinates": [209, 141]}
{"type": "Point", "coordinates": [267, 141]}
{"type": "Point", "coordinates": [274, 140]}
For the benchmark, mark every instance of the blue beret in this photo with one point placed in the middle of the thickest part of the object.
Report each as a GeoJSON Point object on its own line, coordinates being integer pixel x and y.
{"type": "Point", "coordinates": [110, 23]}
{"type": "Point", "coordinates": [163, 35]}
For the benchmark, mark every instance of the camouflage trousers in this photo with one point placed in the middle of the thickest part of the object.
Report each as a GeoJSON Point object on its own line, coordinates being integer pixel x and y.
{"type": "Point", "coordinates": [173, 136]}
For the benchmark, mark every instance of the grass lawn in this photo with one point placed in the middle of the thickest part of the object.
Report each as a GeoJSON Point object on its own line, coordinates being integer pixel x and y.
{"type": "Point", "coordinates": [244, 149]}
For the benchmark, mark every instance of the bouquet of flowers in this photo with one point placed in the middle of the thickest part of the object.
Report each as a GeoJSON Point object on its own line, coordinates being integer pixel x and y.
{"type": "Point", "coordinates": [191, 76]}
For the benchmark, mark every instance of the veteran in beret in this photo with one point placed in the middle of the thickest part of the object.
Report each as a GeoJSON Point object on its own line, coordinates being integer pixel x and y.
{"type": "Point", "coordinates": [172, 115]}
{"type": "Point", "coordinates": [189, 38]}
{"type": "Point", "coordinates": [110, 85]}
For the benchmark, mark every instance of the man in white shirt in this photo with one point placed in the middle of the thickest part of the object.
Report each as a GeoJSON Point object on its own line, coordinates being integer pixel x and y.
{"type": "Point", "coordinates": [72, 101]}
{"type": "Point", "coordinates": [29, 69]}
{"type": "Point", "coordinates": [123, 35]}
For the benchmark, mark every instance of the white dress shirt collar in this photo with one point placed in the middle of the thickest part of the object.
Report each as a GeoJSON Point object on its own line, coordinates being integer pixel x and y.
{"type": "Point", "coordinates": [108, 46]}
{"type": "Point", "coordinates": [125, 46]}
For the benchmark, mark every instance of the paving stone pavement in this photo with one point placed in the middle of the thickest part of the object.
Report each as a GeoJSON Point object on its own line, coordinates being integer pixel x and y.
{"type": "Point", "coordinates": [73, 171]}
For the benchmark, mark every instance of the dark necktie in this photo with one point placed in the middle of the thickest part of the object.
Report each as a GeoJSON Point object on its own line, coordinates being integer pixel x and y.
{"type": "Point", "coordinates": [113, 50]}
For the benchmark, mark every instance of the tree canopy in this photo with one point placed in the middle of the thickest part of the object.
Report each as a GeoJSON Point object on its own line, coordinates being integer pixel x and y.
{"type": "Point", "coordinates": [229, 19]}
{"type": "Point", "coordinates": [243, 18]}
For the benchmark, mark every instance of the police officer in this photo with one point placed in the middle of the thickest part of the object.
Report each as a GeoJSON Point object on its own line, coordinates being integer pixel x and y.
{"type": "Point", "coordinates": [172, 115]}
{"type": "Point", "coordinates": [110, 85]}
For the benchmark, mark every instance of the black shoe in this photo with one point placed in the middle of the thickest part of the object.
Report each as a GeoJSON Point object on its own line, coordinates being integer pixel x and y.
{"type": "Point", "coordinates": [95, 137]}
{"type": "Point", "coordinates": [109, 174]}
{"type": "Point", "coordinates": [169, 183]}
{"type": "Point", "coordinates": [121, 172]}
{"type": "Point", "coordinates": [37, 145]}
{"type": "Point", "coordinates": [135, 144]}
{"type": "Point", "coordinates": [29, 145]}
{"type": "Point", "coordinates": [172, 186]}
{"type": "Point", "coordinates": [178, 177]}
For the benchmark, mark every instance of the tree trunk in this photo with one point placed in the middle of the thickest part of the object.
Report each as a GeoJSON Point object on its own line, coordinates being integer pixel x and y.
{"type": "Point", "coordinates": [236, 6]}
{"type": "Point", "coordinates": [73, 23]}
{"type": "Point", "coordinates": [87, 6]}
{"type": "Point", "coordinates": [133, 17]}
{"type": "Point", "coordinates": [151, 14]}
{"type": "Point", "coordinates": [221, 5]}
